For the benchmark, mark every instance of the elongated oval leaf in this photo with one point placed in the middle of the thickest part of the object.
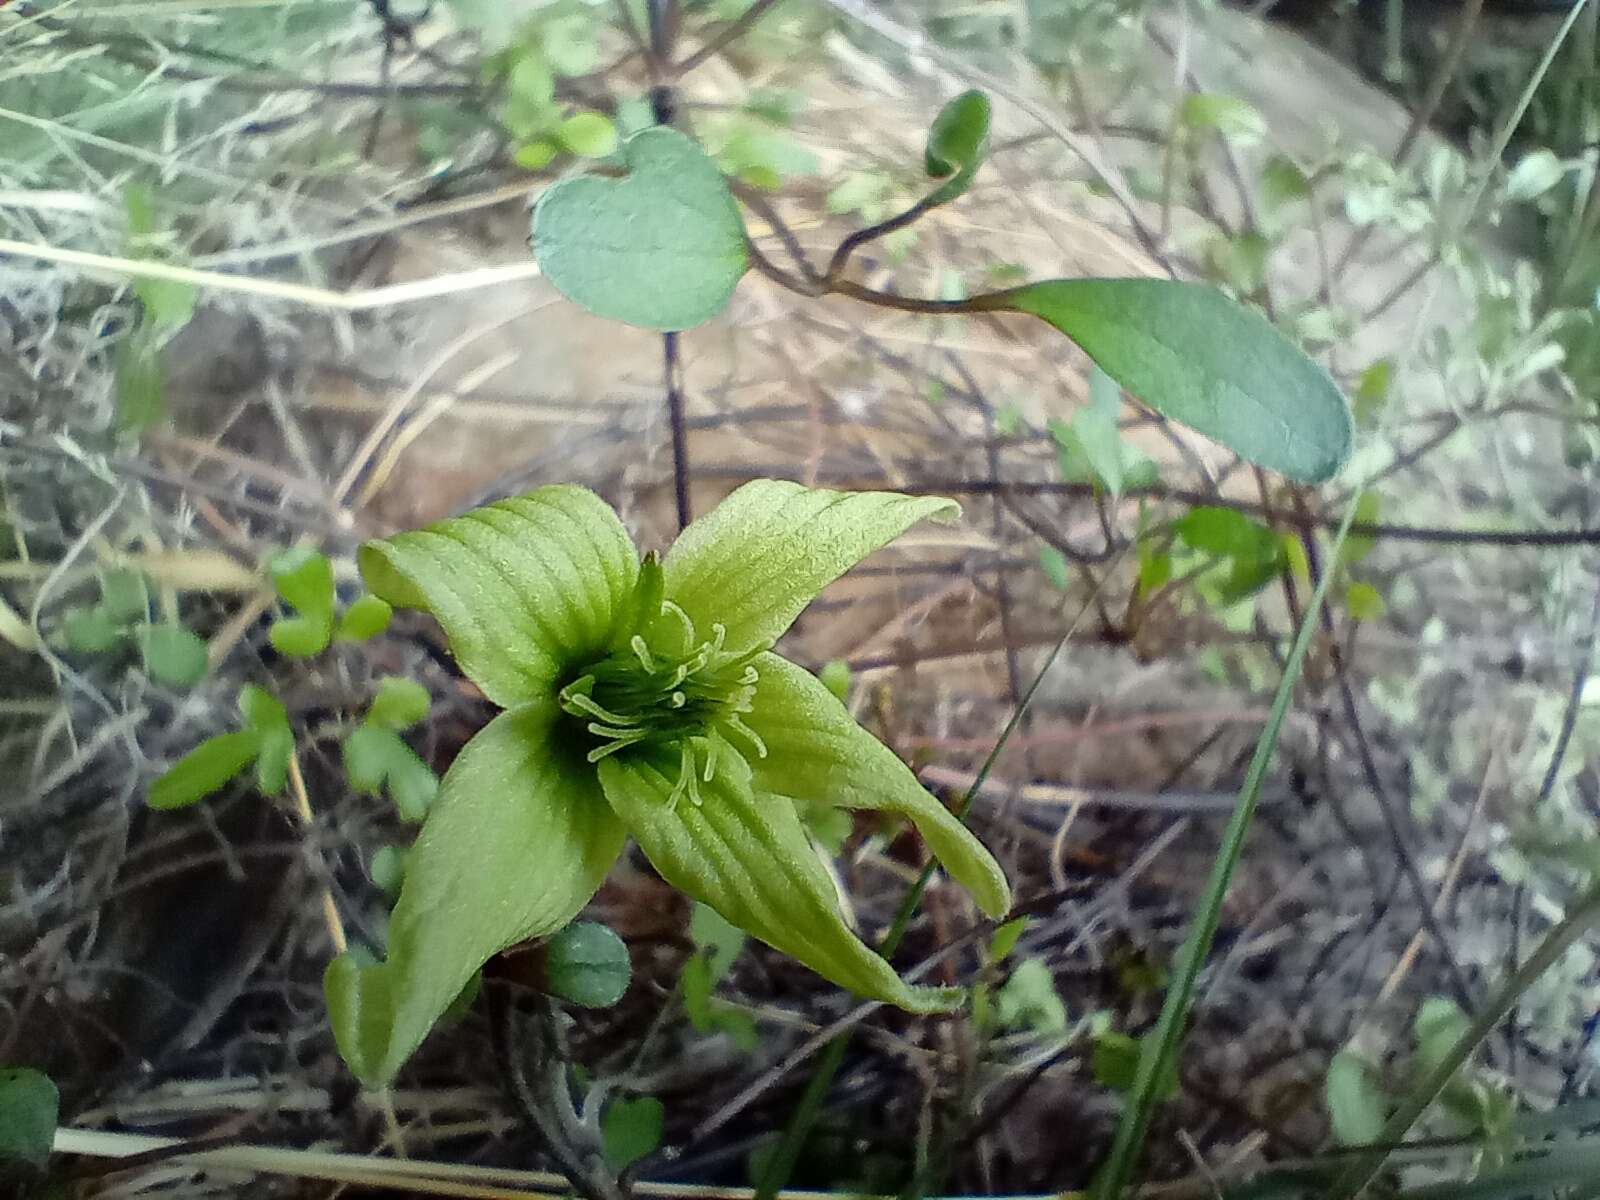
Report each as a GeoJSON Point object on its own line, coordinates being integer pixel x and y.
{"type": "Point", "coordinates": [205, 769]}
{"type": "Point", "coordinates": [662, 247]}
{"type": "Point", "coordinates": [1193, 355]}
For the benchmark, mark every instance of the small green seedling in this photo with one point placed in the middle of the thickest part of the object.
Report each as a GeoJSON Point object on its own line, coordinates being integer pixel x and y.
{"type": "Point", "coordinates": [377, 759]}
{"type": "Point", "coordinates": [120, 619]}
{"type": "Point", "coordinates": [717, 945]}
{"type": "Point", "coordinates": [303, 579]}
{"type": "Point", "coordinates": [642, 697]}
{"type": "Point", "coordinates": [265, 740]}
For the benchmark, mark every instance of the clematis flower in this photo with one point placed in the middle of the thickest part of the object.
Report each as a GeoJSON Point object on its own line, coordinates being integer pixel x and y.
{"type": "Point", "coordinates": [641, 697]}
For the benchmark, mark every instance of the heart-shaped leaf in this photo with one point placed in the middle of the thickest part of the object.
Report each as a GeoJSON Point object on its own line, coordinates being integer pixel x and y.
{"type": "Point", "coordinates": [1192, 354]}
{"type": "Point", "coordinates": [662, 247]}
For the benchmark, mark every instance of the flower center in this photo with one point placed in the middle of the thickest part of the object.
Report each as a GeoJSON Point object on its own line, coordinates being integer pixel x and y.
{"type": "Point", "coordinates": [687, 704]}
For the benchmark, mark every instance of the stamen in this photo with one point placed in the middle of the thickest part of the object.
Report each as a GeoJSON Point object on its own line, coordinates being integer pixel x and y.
{"type": "Point", "coordinates": [713, 747]}
{"type": "Point", "coordinates": [669, 608]}
{"type": "Point", "coordinates": [642, 653]}
{"type": "Point", "coordinates": [611, 747]}
{"type": "Point", "coordinates": [586, 706]}
{"type": "Point", "coordinates": [732, 721]}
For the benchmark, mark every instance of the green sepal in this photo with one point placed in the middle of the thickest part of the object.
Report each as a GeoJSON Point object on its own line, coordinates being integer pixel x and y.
{"type": "Point", "coordinates": [746, 855]}
{"type": "Point", "coordinates": [756, 560]}
{"type": "Point", "coordinates": [817, 752]}
{"type": "Point", "coordinates": [525, 589]}
{"type": "Point", "coordinates": [516, 843]}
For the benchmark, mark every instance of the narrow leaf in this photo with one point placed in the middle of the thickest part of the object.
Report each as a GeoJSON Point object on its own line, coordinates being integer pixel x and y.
{"type": "Point", "coordinates": [1193, 355]}
{"type": "Point", "coordinates": [204, 769]}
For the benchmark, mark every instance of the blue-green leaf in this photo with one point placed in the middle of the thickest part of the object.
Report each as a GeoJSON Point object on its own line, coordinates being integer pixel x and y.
{"type": "Point", "coordinates": [29, 1107]}
{"type": "Point", "coordinates": [587, 964]}
{"type": "Point", "coordinates": [662, 247]}
{"type": "Point", "coordinates": [1192, 354]}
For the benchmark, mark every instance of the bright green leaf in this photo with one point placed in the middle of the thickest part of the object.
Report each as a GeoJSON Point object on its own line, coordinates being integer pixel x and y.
{"type": "Point", "coordinates": [400, 702]}
{"type": "Point", "coordinates": [204, 769]}
{"type": "Point", "coordinates": [303, 578]}
{"type": "Point", "coordinates": [1054, 565]}
{"type": "Point", "coordinates": [1282, 182]}
{"type": "Point", "coordinates": [1373, 390]}
{"type": "Point", "coordinates": [589, 134]}
{"type": "Point", "coordinates": [514, 806]}
{"type": "Point", "coordinates": [630, 1129]}
{"type": "Point", "coordinates": [527, 589]}
{"type": "Point", "coordinates": [1005, 938]}
{"type": "Point", "coordinates": [957, 143]}
{"type": "Point", "coordinates": [377, 758]}
{"type": "Point", "coordinates": [1356, 1104]}
{"type": "Point", "coordinates": [90, 630]}
{"type": "Point", "coordinates": [367, 617]}
{"type": "Point", "coordinates": [299, 637]}
{"type": "Point", "coordinates": [784, 543]}
{"type": "Point", "coordinates": [1225, 532]}
{"type": "Point", "coordinates": [173, 655]}
{"type": "Point", "coordinates": [388, 869]}
{"type": "Point", "coordinates": [1440, 1024]}
{"type": "Point", "coordinates": [662, 247]}
{"type": "Point", "coordinates": [534, 155]}
{"type": "Point", "coordinates": [710, 1015]}
{"type": "Point", "coordinates": [1369, 507]}
{"type": "Point", "coordinates": [1227, 115]}
{"type": "Point", "coordinates": [1364, 602]}
{"type": "Point", "coordinates": [1194, 355]}
{"type": "Point", "coordinates": [835, 676]}
{"type": "Point", "coordinates": [719, 941]}
{"type": "Point", "coordinates": [828, 826]}
{"type": "Point", "coordinates": [763, 158]}
{"type": "Point", "coordinates": [587, 964]}
{"type": "Point", "coordinates": [29, 1109]}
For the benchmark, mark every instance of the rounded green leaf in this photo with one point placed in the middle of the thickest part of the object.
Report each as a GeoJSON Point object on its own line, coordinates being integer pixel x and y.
{"type": "Point", "coordinates": [400, 702]}
{"type": "Point", "coordinates": [204, 769]}
{"type": "Point", "coordinates": [746, 855]}
{"type": "Point", "coordinates": [303, 577]}
{"type": "Point", "coordinates": [261, 709]}
{"type": "Point", "coordinates": [29, 1109]}
{"type": "Point", "coordinates": [630, 1129]}
{"type": "Point", "coordinates": [534, 155]}
{"type": "Point", "coordinates": [173, 655]}
{"type": "Point", "coordinates": [516, 843]}
{"type": "Point", "coordinates": [526, 589]}
{"type": "Point", "coordinates": [376, 757]}
{"type": "Point", "coordinates": [123, 596]}
{"type": "Point", "coordinates": [1193, 355]}
{"type": "Point", "coordinates": [756, 560]}
{"type": "Point", "coordinates": [816, 751]}
{"type": "Point", "coordinates": [662, 247]}
{"type": "Point", "coordinates": [367, 617]}
{"type": "Point", "coordinates": [587, 964]}
{"type": "Point", "coordinates": [1356, 1104]}
{"type": "Point", "coordinates": [90, 630]}
{"type": "Point", "coordinates": [300, 637]}
{"type": "Point", "coordinates": [388, 869]}
{"type": "Point", "coordinates": [272, 758]}
{"type": "Point", "coordinates": [589, 134]}
{"type": "Point", "coordinates": [957, 143]}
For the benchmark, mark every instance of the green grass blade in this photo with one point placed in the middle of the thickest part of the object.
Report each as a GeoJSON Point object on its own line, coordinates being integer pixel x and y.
{"type": "Point", "coordinates": [1157, 1063]}
{"type": "Point", "coordinates": [1364, 1169]}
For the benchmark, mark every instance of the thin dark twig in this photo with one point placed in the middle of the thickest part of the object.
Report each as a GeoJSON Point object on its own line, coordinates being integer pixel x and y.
{"type": "Point", "coordinates": [728, 35]}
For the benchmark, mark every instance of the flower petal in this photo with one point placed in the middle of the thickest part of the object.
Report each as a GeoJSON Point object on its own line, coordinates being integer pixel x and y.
{"type": "Point", "coordinates": [525, 588]}
{"type": "Point", "coordinates": [746, 855]}
{"type": "Point", "coordinates": [516, 843]}
{"type": "Point", "coordinates": [757, 559]}
{"type": "Point", "coordinates": [816, 751]}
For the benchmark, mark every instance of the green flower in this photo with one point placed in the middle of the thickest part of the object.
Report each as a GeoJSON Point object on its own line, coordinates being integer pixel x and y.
{"type": "Point", "coordinates": [642, 698]}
